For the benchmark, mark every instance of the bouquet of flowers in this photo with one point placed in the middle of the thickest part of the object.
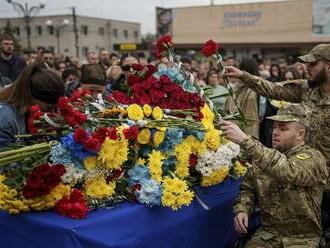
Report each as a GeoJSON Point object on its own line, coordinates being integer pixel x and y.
{"type": "Point", "coordinates": [151, 144]}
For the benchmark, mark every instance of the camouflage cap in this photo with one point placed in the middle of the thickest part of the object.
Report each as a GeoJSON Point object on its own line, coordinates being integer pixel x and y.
{"type": "Point", "coordinates": [321, 51]}
{"type": "Point", "coordinates": [292, 112]}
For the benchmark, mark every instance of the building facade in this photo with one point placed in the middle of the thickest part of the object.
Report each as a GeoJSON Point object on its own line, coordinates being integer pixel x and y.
{"type": "Point", "coordinates": [270, 29]}
{"type": "Point", "coordinates": [94, 33]}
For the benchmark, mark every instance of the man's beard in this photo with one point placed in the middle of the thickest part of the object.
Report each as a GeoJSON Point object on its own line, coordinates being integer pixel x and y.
{"type": "Point", "coordinates": [318, 80]}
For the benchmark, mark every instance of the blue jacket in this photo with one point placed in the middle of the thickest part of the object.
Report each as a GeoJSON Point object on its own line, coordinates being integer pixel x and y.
{"type": "Point", "coordinates": [11, 68]}
{"type": "Point", "coordinates": [11, 124]}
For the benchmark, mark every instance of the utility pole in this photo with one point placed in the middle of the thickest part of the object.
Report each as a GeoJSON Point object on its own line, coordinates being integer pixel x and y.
{"type": "Point", "coordinates": [75, 29]}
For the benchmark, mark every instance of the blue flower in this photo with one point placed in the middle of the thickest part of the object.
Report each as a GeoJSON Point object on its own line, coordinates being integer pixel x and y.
{"type": "Point", "coordinates": [173, 136]}
{"type": "Point", "coordinates": [169, 164]}
{"type": "Point", "coordinates": [138, 174]}
{"type": "Point", "coordinates": [150, 193]}
{"type": "Point", "coordinates": [61, 155]}
{"type": "Point", "coordinates": [198, 134]}
{"type": "Point", "coordinates": [77, 150]}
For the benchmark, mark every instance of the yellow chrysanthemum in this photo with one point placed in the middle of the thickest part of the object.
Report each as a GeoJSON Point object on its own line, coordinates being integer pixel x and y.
{"type": "Point", "coordinates": [135, 112]}
{"type": "Point", "coordinates": [90, 163]}
{"type": "Point", "coordinates": [176, 193]}
{"type": "Point", "coordinates": [208, 117]}
{"type": "Point", "coordinates": [157, 113]}
{"type": "Point", "coordinates": [197, 147]}
{"type": "Point", "coordinates": [144, 136]}
{"type": "Point", "coordinates": [155, 165]}
{"type": "Point", "coordinates": [239, 169]}
{"type": "Point", "coordinates": [159, 137]}
{"type": "Point", "coordinates": [147, 110]}
{"type": "Point", "coordinates": [217, 176]}
{"type": "Point", "coordinates": [98, 188]}
{"type": "Point", "coordinates": [182, 153]}
{"type": "Point", "coordinates": [141, 161]}
{"type": "Point", "coordinates": [113, 153]}
{"type": "Point", "coordinates": [212, 139]}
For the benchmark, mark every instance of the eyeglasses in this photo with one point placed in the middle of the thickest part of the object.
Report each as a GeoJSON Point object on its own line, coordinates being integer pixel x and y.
{"type": "Point", "coordinates": [128, 67]}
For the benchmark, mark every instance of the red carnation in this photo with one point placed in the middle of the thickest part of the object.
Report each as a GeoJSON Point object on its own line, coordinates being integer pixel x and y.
{"type": "Point", "coordinates": [74, 206]}
{"type": "Point", "coordinates": [92, 144]}
{"type": "Point", "coordinates": [210, 48]}
{"type": "Point", "coordinates": [192, 161]}
{"type": "Point", "coordinates": [113, 133]}
{"type": "Point", "coordinates": [80, 135]}
{"type": "Point", "coordinates": [162, 43]}
{"type": "Point", "coordinates": [131, 133]}
{"type": "Point", "coordinates": [100, 134]}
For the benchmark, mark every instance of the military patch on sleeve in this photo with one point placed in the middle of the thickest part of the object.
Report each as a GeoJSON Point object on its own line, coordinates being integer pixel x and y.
{"type": "Point", "coordinates": [303, 156]}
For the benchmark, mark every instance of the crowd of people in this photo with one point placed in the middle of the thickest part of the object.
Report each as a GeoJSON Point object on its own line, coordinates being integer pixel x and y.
{"type": "Point", "coordinates": [288, 180]}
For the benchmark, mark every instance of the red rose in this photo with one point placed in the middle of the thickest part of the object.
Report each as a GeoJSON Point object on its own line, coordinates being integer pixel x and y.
{"type": "Point", "coordinates": [34, 181]}
{"type": "Point", "coordinates": [144, 99]}
{"type": "Point", "coordinates": [80, 135]}
{"type": "Point", "coordinates": [138, 67]}
{"type": "Point", "coordinates": [120, 97]}
{"type": "Point", "coordinates": [32, 128]}
{"type": "Point", "coordinates": [146, 84]}
{"type": "Point", "coordinates": [133, 79]}
{"type": "Point", "coordinates": [165, 79]}
{"type": "Point", "coordinates": [210, 48]}
{"type": "Point", "coordinates": [35, 108]}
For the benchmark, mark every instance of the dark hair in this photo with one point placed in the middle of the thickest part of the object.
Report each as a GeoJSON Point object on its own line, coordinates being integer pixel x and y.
{"type": "Point", "coordinates": [34, 82]}
{"type": "Point", "coordinates": [278, 68]}
{"type": "Point", "coordinates": [209, 74]}
{"type": "Point", "coordinates": [250, 66]}
{"type": "Point", "coordinates": [57, 64]}
{"type": "Point", "coordinates": [71, 70]}
{"type": "Point", "coordinates": [141, 54]}
{"type": "Point", "coordinates": [6, 37]}
{"type": "Point", "coordinates": [293, 70]}
{"type": "Point", "coordinates": [45, 51]}
{"type": "Point", "coordinates": [126, 55]}
{"type": "Point", "coordinates": [186, 60]}
{"type": "Point", "coordinates": [113, 55]}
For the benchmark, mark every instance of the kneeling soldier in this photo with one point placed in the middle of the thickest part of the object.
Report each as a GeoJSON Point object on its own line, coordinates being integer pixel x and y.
{"type": "Point", "coordinates": [287, 181]}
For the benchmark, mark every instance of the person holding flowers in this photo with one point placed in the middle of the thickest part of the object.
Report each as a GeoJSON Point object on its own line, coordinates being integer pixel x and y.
{"type": "Point", "coordinates": [35, 85]}
{"type": "Point", "coordinates": [288, 182]}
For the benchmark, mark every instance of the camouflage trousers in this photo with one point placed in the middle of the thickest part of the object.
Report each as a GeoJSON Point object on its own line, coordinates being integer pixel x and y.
{"type": "Point", "coordinates": [260, 241]}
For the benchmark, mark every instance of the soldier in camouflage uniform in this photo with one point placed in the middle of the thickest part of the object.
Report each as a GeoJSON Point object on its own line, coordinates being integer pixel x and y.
{"type": "Point", "coordinates": [315, 93]}
{"type": "Point", "coordinates": [287, 181]}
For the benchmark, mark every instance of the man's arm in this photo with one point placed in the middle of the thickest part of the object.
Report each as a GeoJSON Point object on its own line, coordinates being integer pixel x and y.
{"type": "Point", "coordinates": [246, 200]}
{"type": "Point", "coordinates": [309, 169]}
{"type": "Point", "coordinates": [290, 91]}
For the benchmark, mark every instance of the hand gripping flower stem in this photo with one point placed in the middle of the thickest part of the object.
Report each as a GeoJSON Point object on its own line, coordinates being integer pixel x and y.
{"type": "Point", "coordinates": [217, 58]}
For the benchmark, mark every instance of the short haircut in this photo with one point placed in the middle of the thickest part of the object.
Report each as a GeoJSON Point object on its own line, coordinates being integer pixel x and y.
{"type": "Point", "coordinates": [6, 37]}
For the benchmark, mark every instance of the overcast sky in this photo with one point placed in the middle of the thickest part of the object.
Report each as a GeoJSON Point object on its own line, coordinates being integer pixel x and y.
{"type": "Point", "coordinates": [142, 11]}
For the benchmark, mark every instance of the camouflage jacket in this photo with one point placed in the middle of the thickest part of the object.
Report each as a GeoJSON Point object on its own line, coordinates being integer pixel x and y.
{"type": "Point", "coordinates": [287, 186]}
{"type": "Point", "coordinates": [298, 91]}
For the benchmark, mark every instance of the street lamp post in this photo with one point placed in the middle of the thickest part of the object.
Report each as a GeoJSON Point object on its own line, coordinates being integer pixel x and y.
{"type": "Point", "coordinates": [58, 28]}
{"type": "Point", "coordinates": [28, 13]}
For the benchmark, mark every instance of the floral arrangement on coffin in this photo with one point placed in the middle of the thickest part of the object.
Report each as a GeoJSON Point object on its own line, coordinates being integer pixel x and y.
{"type": "Point", "coordinates": [150, 144]}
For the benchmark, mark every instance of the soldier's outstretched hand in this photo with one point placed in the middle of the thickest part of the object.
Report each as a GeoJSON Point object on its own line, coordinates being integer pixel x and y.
{"type": "Point", "coordinates": [233, 132]}
{"type": "Point", "coordinates": [241, 222]}
{"type": "Point", "coordinates": [233, 72]}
